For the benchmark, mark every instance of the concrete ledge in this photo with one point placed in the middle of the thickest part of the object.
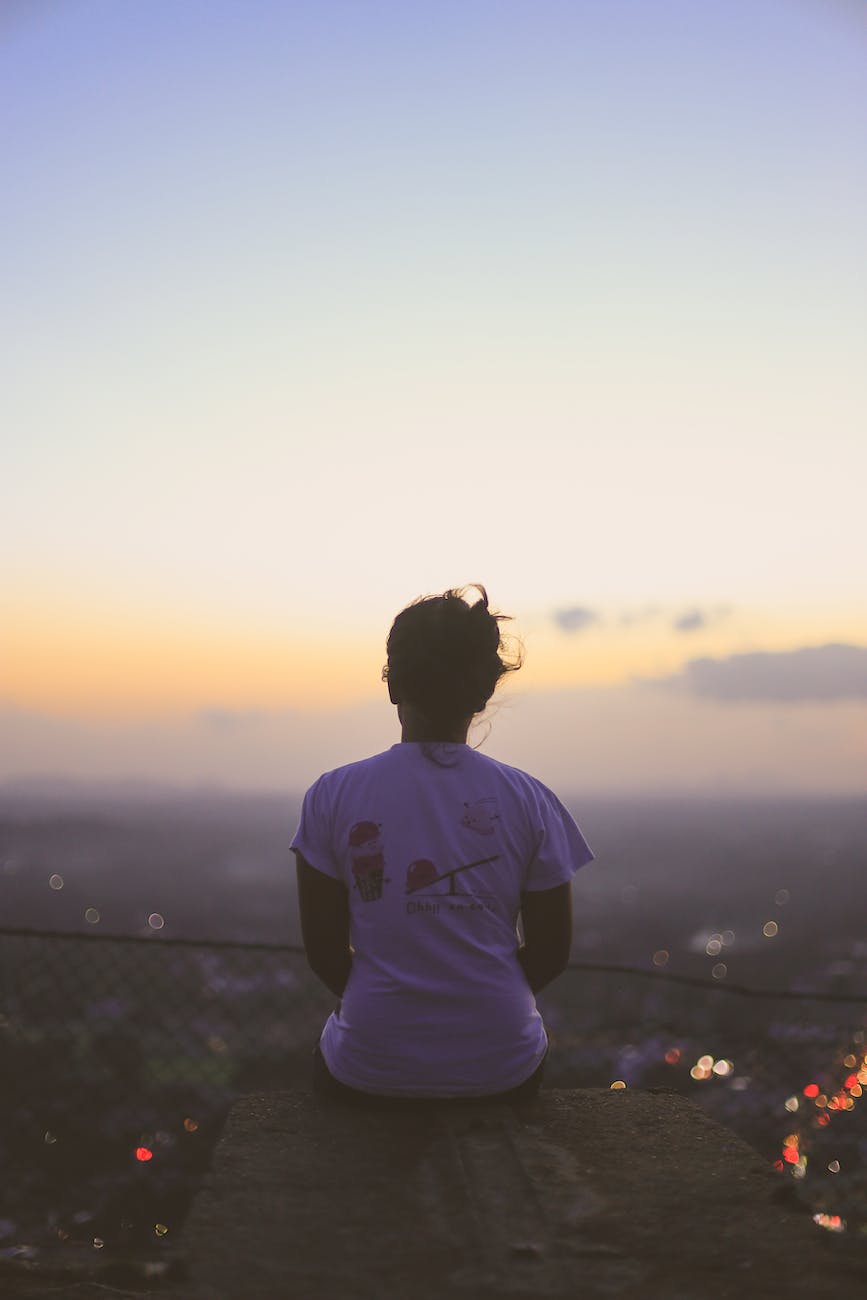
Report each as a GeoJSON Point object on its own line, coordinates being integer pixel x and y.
{"type": "Point", "coordinates": [584, 1192]}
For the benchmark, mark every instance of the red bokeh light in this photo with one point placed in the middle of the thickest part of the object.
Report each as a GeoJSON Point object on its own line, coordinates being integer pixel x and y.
{"type": "Point", "coordinates": [811, 1090]}
{"type": "Point", "coordinates": [143, 1153]}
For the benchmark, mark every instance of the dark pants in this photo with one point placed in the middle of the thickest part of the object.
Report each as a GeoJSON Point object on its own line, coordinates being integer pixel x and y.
{"type": "Point", "coordinates": [326, 1086]}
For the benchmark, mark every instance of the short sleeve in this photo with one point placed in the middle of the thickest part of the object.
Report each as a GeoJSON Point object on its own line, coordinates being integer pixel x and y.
{"type": "Point", "coordinates": [312, 838]}
{"type": "Point", "coordinates": [560, 847]}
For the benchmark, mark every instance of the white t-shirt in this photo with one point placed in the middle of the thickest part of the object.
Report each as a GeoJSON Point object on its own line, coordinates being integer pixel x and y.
{"type": "Point", "coordinates": [435, 844]}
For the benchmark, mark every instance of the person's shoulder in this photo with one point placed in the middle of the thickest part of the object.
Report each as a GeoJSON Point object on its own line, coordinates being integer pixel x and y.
{"type": "Point", "coordinates": [515, 776]}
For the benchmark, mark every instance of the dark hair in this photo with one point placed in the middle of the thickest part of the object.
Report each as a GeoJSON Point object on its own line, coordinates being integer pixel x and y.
{"type": "Point", "coordinates": [444, 655]}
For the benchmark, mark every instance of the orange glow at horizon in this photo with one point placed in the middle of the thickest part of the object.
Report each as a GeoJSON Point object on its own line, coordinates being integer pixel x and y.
{"type": "Point", "coordinates": [106, 665]}
{"type": "Point", "coordinates": [103, 659]}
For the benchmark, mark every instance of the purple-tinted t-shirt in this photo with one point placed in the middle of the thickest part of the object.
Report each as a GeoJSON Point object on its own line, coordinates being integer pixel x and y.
{"type": "Point", "coordinates": [435, 844]}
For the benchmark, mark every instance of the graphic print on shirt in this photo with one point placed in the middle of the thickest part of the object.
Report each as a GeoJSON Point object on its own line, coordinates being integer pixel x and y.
{"type": "Point", "coordinates": [481, 816]}
{"type": "Point", "coordinates": [422, 875]}
{"type": "Point", "coordinates": [419, 874]}
{"type": "Point", "coordinates": [368, 860]}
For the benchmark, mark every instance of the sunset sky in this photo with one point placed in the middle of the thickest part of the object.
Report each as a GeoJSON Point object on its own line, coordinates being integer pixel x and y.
{"type": "Point", "coordinates": [310, 309]}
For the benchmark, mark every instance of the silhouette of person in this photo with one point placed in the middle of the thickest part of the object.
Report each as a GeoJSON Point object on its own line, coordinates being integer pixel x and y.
{"type": "Point", "coordinates": [413, 868]}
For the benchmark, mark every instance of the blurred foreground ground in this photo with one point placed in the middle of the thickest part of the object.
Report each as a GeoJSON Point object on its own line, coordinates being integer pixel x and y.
{"type": "Point", "coordinates": [630, 1194]}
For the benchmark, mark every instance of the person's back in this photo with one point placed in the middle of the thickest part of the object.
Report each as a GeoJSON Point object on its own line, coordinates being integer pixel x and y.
{"type": "Point", "coordinates": [426, 855]}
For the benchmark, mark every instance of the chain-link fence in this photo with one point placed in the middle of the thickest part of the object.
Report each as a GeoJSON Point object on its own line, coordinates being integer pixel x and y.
{"type": "Point", "coordinates": [121, 1057]}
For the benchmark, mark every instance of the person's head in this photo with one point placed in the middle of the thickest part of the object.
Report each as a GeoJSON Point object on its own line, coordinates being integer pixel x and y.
{"type": "Point", "coordinates": [445, 657]}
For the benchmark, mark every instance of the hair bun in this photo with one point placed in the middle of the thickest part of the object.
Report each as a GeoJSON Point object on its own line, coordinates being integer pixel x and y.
{"type": "Point", "coordinates": [444, 654]}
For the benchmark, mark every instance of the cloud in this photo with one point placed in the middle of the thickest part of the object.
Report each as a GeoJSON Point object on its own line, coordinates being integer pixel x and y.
{"type": "Point", "coordinates": [827, 672]}
{"type": "Point", "coordinates": [692, 620]}
{"type": "Point", "coordinates": [575, 619]}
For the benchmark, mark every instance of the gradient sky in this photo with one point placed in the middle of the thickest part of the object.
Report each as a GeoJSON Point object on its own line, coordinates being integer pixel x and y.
{"type": "Point", "coordinates": [311, 309]}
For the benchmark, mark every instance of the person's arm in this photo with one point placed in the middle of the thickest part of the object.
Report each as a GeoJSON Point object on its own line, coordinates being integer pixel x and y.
{"type": "Point", "coordinates": [323, 905]}
{"type": "Point", "coordinates": [546, 919]}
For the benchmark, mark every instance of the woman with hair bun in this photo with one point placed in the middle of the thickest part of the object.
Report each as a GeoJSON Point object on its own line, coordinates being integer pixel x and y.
{"type": "Point", "coordinates": [413, 868]}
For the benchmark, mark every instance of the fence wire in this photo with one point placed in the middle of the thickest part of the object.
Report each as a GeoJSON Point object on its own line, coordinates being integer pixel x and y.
{"type": "Point", "coordinates": [121, 1057]}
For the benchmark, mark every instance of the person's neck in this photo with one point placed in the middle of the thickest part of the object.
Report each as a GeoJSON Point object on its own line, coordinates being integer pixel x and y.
{"type": "Point", "coordinates": [416, 727]}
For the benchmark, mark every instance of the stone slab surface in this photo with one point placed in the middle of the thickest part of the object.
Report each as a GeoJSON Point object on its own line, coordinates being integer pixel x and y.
{"type": "Point", "coordinates": [583, 1193]}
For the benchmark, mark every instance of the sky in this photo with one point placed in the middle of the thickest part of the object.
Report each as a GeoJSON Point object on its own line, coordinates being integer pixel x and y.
{"type": "Point", "coordinates": [309, 310]}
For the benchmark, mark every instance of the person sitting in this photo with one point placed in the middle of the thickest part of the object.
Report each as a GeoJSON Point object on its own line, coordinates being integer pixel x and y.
{"type": "Point", "coordinates": [413, 867]}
